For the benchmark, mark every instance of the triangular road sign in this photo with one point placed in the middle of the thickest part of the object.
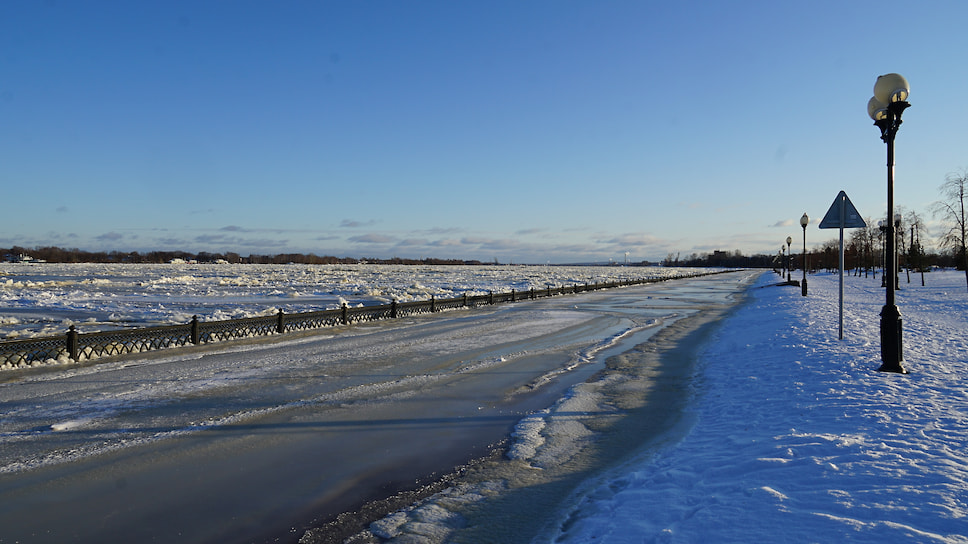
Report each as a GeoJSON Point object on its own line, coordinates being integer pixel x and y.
{"type": "Point", "coordinates": [842, 215]}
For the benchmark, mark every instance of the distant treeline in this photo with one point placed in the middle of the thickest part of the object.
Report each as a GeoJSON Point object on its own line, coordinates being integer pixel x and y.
{"type": "Point", "coordinates": [868, 256]}
{"type": "Point", "coordinates": [61, 255]}
{"type": "Point", "coordinates": [724, 259]}
{"type": "Point", "coordinates": [824, 257]}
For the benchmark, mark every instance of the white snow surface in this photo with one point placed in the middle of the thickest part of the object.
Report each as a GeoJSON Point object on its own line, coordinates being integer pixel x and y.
{"type": "Point", "coordinates": [798, 437]}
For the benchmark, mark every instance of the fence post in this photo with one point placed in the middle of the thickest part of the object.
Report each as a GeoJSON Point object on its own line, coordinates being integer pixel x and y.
{"type": "Point", "coordinates": [490, 297]}
{"type": "Point", "coordinates": [195, 336]}
{"type": "Point", "coordinates": [280, 324]}
{"type": "Point", "coordinates": [343, 315]}
{"type": "Point", "coordinates": [72, 350]}
{"type": "Point", "coordinates": [393, 309]}
{"type": "Point", "coordinates": [532, 293]}
{"type": "Point", "coordinates": [464, 302]}
{"type": "Point", "coordinates": [512, 295]}
{"type": "Point", "coordinates": [432, 304]}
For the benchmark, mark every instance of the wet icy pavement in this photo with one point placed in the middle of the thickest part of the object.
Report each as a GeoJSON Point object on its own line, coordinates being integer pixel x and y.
{"type": "Point", "coordinates": [250, 442]}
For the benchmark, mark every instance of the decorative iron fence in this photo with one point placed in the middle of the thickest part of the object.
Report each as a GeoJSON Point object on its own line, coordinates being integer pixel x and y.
{"type": "Point", "coordinates": [77, 346]}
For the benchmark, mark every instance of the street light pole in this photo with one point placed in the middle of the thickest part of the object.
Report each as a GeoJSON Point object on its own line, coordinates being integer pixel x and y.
{"type": "Point", "coordinates": [885, 108]}
{"type": "Point", "coordinates": [789, 241]}
{"type": "Point", "coordinates": [804, 221]}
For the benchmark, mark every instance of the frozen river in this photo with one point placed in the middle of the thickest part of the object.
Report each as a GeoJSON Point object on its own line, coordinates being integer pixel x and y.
{"type": "Point", "coordinates": [259, 441]}
{"type": "Point", "coordinates": [44, 300]}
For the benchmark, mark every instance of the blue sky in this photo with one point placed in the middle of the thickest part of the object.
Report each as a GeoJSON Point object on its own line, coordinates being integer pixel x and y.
{"type": "Point", "coordinates": [536, 131]}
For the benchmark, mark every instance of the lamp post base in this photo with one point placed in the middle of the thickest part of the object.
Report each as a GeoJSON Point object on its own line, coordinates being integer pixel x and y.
{"type": "Point", "coordinates": [803, 287]}
{"type": "Point", "coordinates": [891, 347]}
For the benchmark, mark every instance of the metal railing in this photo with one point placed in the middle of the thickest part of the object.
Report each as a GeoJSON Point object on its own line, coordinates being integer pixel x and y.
{"type": "Point", "coordinates": [77, 346]}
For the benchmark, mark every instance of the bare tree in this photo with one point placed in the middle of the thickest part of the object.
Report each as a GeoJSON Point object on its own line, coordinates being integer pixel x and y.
{"type": "Point", "coordinates": [871, 234]}
{"type": "Point", "coordinates": [903, 257]}
{"type": "Point", "coordinates": [916, 251]}
{"type": "Point", "coordinates": [951, 210]}
{"type": "Point", "coordinates": [857, 246]}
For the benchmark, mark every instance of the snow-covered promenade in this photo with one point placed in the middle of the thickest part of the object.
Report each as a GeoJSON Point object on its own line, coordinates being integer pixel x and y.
{"type": "Point", "coordinates": [799, 439]}
{"type": "Point", "coordinates": [775, 431]}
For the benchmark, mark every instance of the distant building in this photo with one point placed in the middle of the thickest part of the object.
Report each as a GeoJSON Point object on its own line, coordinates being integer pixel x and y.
{"type": "Point", "coordinates": [22, 258]}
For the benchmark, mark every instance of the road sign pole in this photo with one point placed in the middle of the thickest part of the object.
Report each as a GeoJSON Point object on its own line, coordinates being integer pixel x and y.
{"type": "Point", "coordinates": [842, 215]}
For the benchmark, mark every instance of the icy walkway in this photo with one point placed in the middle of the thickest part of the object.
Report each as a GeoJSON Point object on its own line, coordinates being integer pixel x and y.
{"type": "Point", "coordinates": [254, 441]}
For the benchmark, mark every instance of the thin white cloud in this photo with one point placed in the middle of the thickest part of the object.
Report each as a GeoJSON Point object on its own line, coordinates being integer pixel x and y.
{"type": "Point", "coordinates": [353, 224]}
{"type": "Point", "coordinates": [415, 242]}
{"type": "Point", "coordinates": [372, 239]}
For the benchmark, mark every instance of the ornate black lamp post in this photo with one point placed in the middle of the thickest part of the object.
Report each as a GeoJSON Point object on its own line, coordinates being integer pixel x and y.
{"type": "Point", "coordinates": [789, 241]}
{"type": "Point", "coordinates": [804, 221]}
{"type": "Point", "coordinates": [885, 108]}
